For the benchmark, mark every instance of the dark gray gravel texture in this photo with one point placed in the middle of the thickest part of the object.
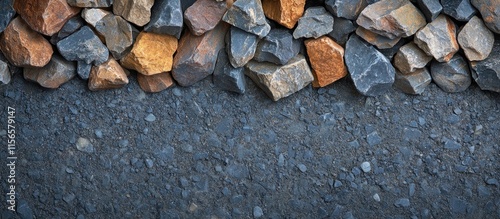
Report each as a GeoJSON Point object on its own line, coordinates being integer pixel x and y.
{"type": "Point", "coordinates": [199, 152]}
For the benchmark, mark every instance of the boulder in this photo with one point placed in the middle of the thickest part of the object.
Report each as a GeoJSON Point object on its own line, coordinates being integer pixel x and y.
{"type": "Point", "coordinates": [83, 46]}
{"type": "Point", "coordinates": [486, 73]}
{"type": "Point", "coordinates": [315, 23]}
{"type": "Point", "coordinates": [277, 47]}
{"type": "Point", "coordinates": [348, 9]}
{"type": "Point", "coordinates": [285, 12]}
{"type": "Point", "coordinates": [327, 60]}
{"type": "Point", "coordinates": [108, 75]}
{"type": "Point", "coordinates": [70, 27]}
{"type": "Point", "coordinates": [240, 46]}
{"type": "Point", "coordinates": [377, 40]}
{"type": "Point", "coordinates": [438, 39]}
{"type": "Point", "coordinates": [155, 83]}
{"type": "Point", "coordinates": [452, 76]}
{"type": "Point", "coordinates": [461, 10]}
{"type": "Point", "coordinates": [476, 40]}
{"type": "Point", "coordinates": [57, 72]}
{"type": "Point", "coordinates": [166, 18]}
{"type": "Point", "coordinates": [489, 13]}
{"type": "Point", "coordinates": [135, 11]}
{"type": "Point", "coordinates": [410, 58]}
{"type": "Point", "coordinates": [118, 34]}
{"type": "Point", "coordinates": [248, 15]}
{"type": "Point", "coordinates": [199, 21]}
{"type": "Point", "coordinates": [413, 83]}
{"type": "Point", "coordinates": [228, 78]}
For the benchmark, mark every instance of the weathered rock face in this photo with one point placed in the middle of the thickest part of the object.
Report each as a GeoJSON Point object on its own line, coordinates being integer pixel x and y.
{"type": "Point", "coordinates": [348, 9]}
{"type": "Point", "coordinates": [24, 47]}
{"type": "Point", "coordinates": [135, 11]}
{"type": "Point", "coordinates": [452, 76]}
{"type": "Point", "coordinates": [277, 47]}
{"type": "Point", "coordinates": [6, 13]}
{"type": "Point", "coordinates": [228, 78]}
{"type": "Point", "coordinates": [83, 46]}
{"type": "Point", "coordinates": [155, 83]}
{"type": "Point", "coordinates": [379, 41]}
{"type": "Point", "coordinates": [93, 15]}
{"type": "Point", "coordinates": [57, 72]}
{"type": "Point", "coordinates": [45, 16]}
{"type": "Point", "coordinates": [108, 75]}
{"type": "Point", "coordinates": [248, 15]}
{"type": "Point", "coordinates": [476, 40]}
{"type": "Point", "coordinates": [413, 83]}
{"type": "Point", "coordinates": [83, 70]}
{"type": "Point", "coordinates": [438, 39]}
{"type": "Point", "coordinates": [197, 18]}
{"type": "Point", "coordinates": [341, 30]}
{"type": "Point", "coordinates": [151, 54]}
{"type": "Point", "coordinates": [409, 58]}
{"type": "Point", "coordinates": [279, 81]}
{"type": "Point", "coordinates": [327, 61]}
{"type": "Point", "coordinates": [371, 72]}
{"type": "Point", "coordinates": [316, 22]}
{"type": "Point", "coordinates": [240, 46]}
{"type": "Point", "coordinates": [166, 18]}
{"type": "Point", "coordinates": [70, 27]}
{"type": "Point", "coordinates": [486, 73]}
{"type": "Point", "coordinates": [90, 3]}
{"type": "Point", "coordinates": [489, 12]}
{"type": "Point", "coordinates": [119, 35]}
{"type": "Point", "coordinates": [392, 18]}
{"type": "Point", "coordinates": [285, 12]}
{"type": "Point", "coordinates": [430, 8]}
{"type": "Point", "coordinates": [5, 76]}
{"type": "Point", "coordinates": [461, 10]}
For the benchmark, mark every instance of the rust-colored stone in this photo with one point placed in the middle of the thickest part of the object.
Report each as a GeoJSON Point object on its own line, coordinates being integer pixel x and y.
{"type": "Point", "coordinates": [108, 75]}
{"type": "Point", "coordinates": [199, 21]}
{"type": "Point", "coordinates": [379, 41]}
{"type": "Point", "coordinates": [155, 83]}
{"type": "Point", "coordinates": [24, 47]}
{"type": "Point", "coordinates": [285, 12]}
{"type": "Point", "coordinates": [327, 60]}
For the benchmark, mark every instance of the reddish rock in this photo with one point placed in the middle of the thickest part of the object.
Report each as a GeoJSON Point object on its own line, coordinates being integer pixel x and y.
{"type": "Point", "coordinates": [438, 39]}
{"type": "Point", "coordinates": [197, 18]}
{"type": "Point", "coordinates": [24, 47]}
{"type": "Point", "coordinates": [155, 83]}
{"type": "Point", "coordinates": [285, 12]}
{"type": "Point", "coordinates": [379, 41]}
{"type": "Point", "coordinates": [409, 58]}
{"type": "Point", "coordinates": [108, 75]}
{"type": "Point", "coordinates": [57, 72]}
{"type": "Point", "coordinates": [327, 60]}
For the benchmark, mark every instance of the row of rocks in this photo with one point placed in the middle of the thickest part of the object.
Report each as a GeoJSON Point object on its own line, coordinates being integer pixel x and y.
{"type": "Point", "coordinates": [281, 45]}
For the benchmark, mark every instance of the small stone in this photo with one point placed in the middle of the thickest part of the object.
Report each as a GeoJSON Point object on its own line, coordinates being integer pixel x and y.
{"type": "Point", "coordinates": [5, 76]}
{"type": "Point", "coordinates": [84, 145]}
{"type": "Point", "coordinates": [430, 8]}
{"type": "Point", "coordinates": [327, 60]}
{"type": "Point", "coordinates": [83, 46]}
{"type": "Point", "coordinates": [241, 46]}
{"type": "Point", "coordinates": [302, 167]}
{"type": "Point", "coordinates": [377, 40]}
{"type": "Point", "coordinates": [492, 181]}
{"type": "Point", "coordinates": [70, 27]}
{"type": "Point", "coordinates": [166, 18]}
{"type": "Point", "coordinates": [149, 163]}
{"type": "Point", "coordinates": [376, 197]}
{"type": "Point", "coordinates": [227, 77]}
{"type": "Point", "coordinates": [451, 145]}
{"type": "Point", "coordinates": [23, 210]}
{"type": "Point", "coordinates": [150, 118]}
{"type": "Point", "coordinates": [489, 13]}
{"type": "Point", "coordinates": [410, 58]}
{"type": "Point", "coordinates": [486, 73]}
{"type": "Point", "coordinates": [285, 12]}
{"type": "Point", "coordinates": [98, 133]}
{"type": "Point", "coordinates": [277, 47]}
{"type": "Point", "coordinates": [402, 202]}
{"type": "Point", "coordinates": [90, 3]}
{"type": "Point", "coordinates": [280, 81]}
{"type": "Point", "coordinates": [452, 76]}
{"type": "Point", "coordinates": [342, 28]}
{"type": "Point", "coordinates": [348, 9]}
{"type": "Point", "coordinates": [135, 11]}
{"type": "Point", "coordinates": [337, 184]}
{"type": "Point", "coordinates": [438, 39]}
{"type": "Point", "coordinates": [257, 212]}
{"type": "Point", "coordinates": [93, 15]}
{"type": "Point", "coordinates": [151, 54]}
{"type": "Point", "coordinates": [108, 75]}
{"type": "Point", "coordinates": [248, 15]}
{"type": "Point", "coordinates": [476, 40]}
{"type": "Point", "coordinates": [199, 21]}
{"type": "Point", "coordinates": [366, 167]}
{"type": "Point", "coordinates": [118, 34]}
{"type": "Point", "coordinates": [461, 10]}
{"type": "Point", "coordinates": [83, 70]}
{"type": "Point", "coordinates": [413, 83]}
{"type": "Point", "coordinates": [458, 206]}
{"type": "Point", "coordinates": [315, 23]}
{"type": "Point", "coordinates": [373, 139]}
{"type": "Point", "coordinates": [57, 72]}
{"type": "Point", "coordinates": [7, 12]}
{"type": "Point", "coordinates": [155, 83]}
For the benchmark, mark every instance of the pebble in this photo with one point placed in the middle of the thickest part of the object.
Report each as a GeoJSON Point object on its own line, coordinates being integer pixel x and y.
{"type": "Point", "coordinates": [366, 167]}
{"type": "Point", "coordinates": [376, 197]}
{"type": "Point", "coordinates": [337, 184]}
{"type": "Point", "coordinates": [84, 145]}
{"type": "Point", "coordinates": [149, 163]}
{"type": "Point", "coordinates": [257, 212]}
{"type": "Point", "coordinates": [402, 202]}
{"type": "Point", "coordinates": [302, 167]}
{"type": "Point", "coordinates": [98, 133]}
{"type": "Point", "coordinates": [150, 118]}
{"type": "Point", "coordinates": [373, 139]}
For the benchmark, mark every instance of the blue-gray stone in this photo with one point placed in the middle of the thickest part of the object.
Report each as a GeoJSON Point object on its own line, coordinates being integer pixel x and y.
{"type": "Point", "coordinates": [414, 83]}
{"type": "Point", "coordinates": [23, 210]}
{"type": "Point", "coordinates": [458, 206]}
{"type": "Point", "coordinates": [277, 47]}
{"type": "Point", "coordinates": [6, 13]}
{"type": "Point", "coordinates": [69, 27]}
{"type": "Point", "coordinates": [461, 10]}
{"type": "Point", "coordinates": [118, 34]}
{"type": "Point", "coordinates": [85, 46]}
{"type": "Point", "coordinates": [341, 30]}
{"type": "Point", "coordinates": [452, 76]}
{"type": "Point", "coordinates": [348, 9]}
{"type": "Point", "coordinates": [451, 145]}
{"type": "Point", "coordinates": [486, 73]}
{"type": "Point", "coordinates": [83, 70]}
{"type": "Point", "coordinates": [90, 3]}
{"type": "Point", "coordinates": [430, 8]}
{"type": "Point", "coordinates": [373, 139]}
{"type": "Point", "coordinates": [240, 46]}
{"type": "Point", "coordinates": [257, 212]}
{"type": "Point", "coordinates": [227, 77]}
{"type": "Point", "coordinates": [248, 15]}
{"type": "Point", "coordinates": [166, 18]}
{"type": "Point", "coordinates": [5, 76]}
{"type": "Point", "coordinates": [315, 23]}
{"type": "Point", "coordinates": [402, 202]}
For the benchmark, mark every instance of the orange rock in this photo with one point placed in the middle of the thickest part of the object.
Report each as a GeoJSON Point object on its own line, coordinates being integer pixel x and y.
{"type": "Point", "coordinates": [108, 75]}
{"type": "Point", "coordinates": [285, 12]}
{"type": "Point", "coordinates": [151, 54]}
{"type": "Point", "coordinates": [327, 60]}
{"type": "Point", "coordinates": [155, 83]}
{"type": "Point", "coordinates": [379, 41]}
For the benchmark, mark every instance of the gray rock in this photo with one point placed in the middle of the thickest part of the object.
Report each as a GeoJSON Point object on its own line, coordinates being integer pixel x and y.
{"type": "Point", "coordinates": [166, 18]}
{"type": "Point", "coordinates": [23, 210]}
{"type": "Point", "coordinates": [438, 39]}
{"type": "Point", "coordinates": [57, 72]}
{"type": "Point", "coordinates": [5, 76]}
{"type": "Point", "coordinates": [227, 77]}
{"type": "Point", "coordinates": [376, 197]}
{"type": "Point", "coordinates": [315, 23]}
{"type": "Point", "coordinates": [119, 35]}
{"type": "Point", "coordinates": [453, 76]}
{"type": "Point", "coordinates": [366, 167]}
{"type": "Point", "coordinates": [402, 202]}
{"type": "Point", "coordinates": [248, 15]}
{"type": "Point", "coordinates": [277, 47]}
{"type": "Point", "coordinates": [7, 12]}
{"type": "Point", "coordinates": [371, 72]}
{"type": "Point", "coordinates": [93, 15]}
{"type": "Point", "coordinates": [150, 118]}
{"type": "Point", "coordinates": [414, 83]}
{"type": "Point", "coordinates": [342, 28]}
{"type": "Point", "coordinates": [69, 27]}
{"type": "Point", "coordinates": [373, 139]}
{"type": "Point", "coordinates": [83, 70]}
{"type": "Point", "coordinates": [280, 81]}
{"type": "Point", "coordinates": [476, 40]}
{"type": "Point", "coordinates": [430, 8]}
{"type": "Point", "coordinates": [410, 57]}
{"type": "Point", "coordinates": [381, 42]}
{"type": "Point", "coordinates": [458, 206]}
{"type": "Point", "coordinates": [302, 167]}
{"type": "Point", "coordinates": [90, 3]}
{"type": "Point", "coordinates": [348, 9]}
{"type": "Point", "coordinates": [489, 13]}
{"type": "Point", "coordinates": [391, 52]}
{"type": "Point", "coordinates": [257, 212]}
{"type": "Point", "coordinates": [84, 145]}
{"type": "Point", "coordinates": [451, 145]}
{"type": "Point", "coordinates": [461, 10]}
{"type": "Point", "coordinates": [240, 46]}
{"type": "Point", "coordinates": [84, 46]}
{"type": "Point", "coordinates": [486, 73]}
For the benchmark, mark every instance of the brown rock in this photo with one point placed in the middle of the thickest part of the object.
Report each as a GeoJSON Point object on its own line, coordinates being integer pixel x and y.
{"type": "Point", "coordinates": [438, 39]}
{"type": "Point", "coordinates": [45, 16]}
{"type": "Point", "coordinates": [135, 11]}
{"type": "Point", "coordinates": [476, 40]}
{"type": "Point", "coordinates": [108, 75]}
{"type": "Point", "coordinates": [197, 18]}
{"type": "Point", "coordinates": [155, 83]}
{"type": "Point", "coordinates": [24, 47]}
{"type": "Point", "coordinates": [409, 58]}
{"type": "Point", "coordinates": [151, 54]}
{"type": "Point", "coordinates": [379, 41]}
{"type": "Point", "coordinates": [94, 15]}
{"type": "Point", "coordinates": [489, 10]}
{"type": "Point", "coordinates": [327, 60]}
{"type": "Point", "coordinates": [285, 12]}
{"type": "Point", "coordinates": [52, 75]}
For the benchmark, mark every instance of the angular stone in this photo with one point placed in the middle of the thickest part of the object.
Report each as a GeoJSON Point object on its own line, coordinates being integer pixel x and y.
{"type": "Point", "coordinates": [489, 13]}
{"type": "Point", "coordinates": [348, 9]}
{"type": "Point", "coordinates": [316, 22]}
{"type": "Point", "coordinates": [90, 3]}
{"type": "Point", "coordinates": [342, 28]}
{"type": "Point", "coordinates": [108, 75]}
{"type": "Point", "coordinates": [57, 72]}
{"type": "Point", "coordinates": [285, 12]}
{"type": "Point", "coordinates": [277, 47]}
{"type": "Point", "coordinates": [438, 39]}
{"type": "Point", "coordinates": [197, 55]}
{"type": "Point", "coordinates": [280, 81]}
{"type": "Point", "coordinates": [461, 10]}
{"type": "Point", "coordinates": [240, 46]}
{"type": "Point", "coordinates": [5, 76]}
{"type": "Point", "coordinates": [379, 41]}
{"type": "Point", "coordinates": [486, 73]}
{"type": "Point", "coordinates": [135, 11]}
{"type": "Point", "coordinates": [227, 77]}
{"type": "Point", "coordinates": [392, 18]}
{"type": "Point", "coordinates": [186, 4]}
{"type": "Point", "coordinates": [390, 52]}
{"type": "Point", "coordinates": [70, 27]}
{"type": "Point", "coordinates": [199, 21]}
{"type": "Point", "coordinates": [430, 8]}
{"type": "Point", "coordinates": [409, 58]}
{"type": "Point", "coordinates": [166, 18]}
{"type": "Point", "coordinates": [7, 12]}
{"type": "Point", "coordinates": [476, 40]}
{"type": "Point", "coordinates": [248, 15]}
{"type": "Point", "coordinates": [371, 72]}
{"type": "Point", "coordinates": [413, 83]}
{"type": "Point", "coordinates": [83, 46]}
{"type": "Point", "coordinates": [93, 15]}
{"type": "Point", "coordinates": [155, 83]}
{"type": "Point", "coordinates": [24, 47]}
{"type": "Point", "coordinates": [83, 70]}
{"type": "Point", "coordinates": [45, 16]}
{"type": "Point", "coordinates": [327, 60]}
{"type": "Point", "coordinates": [452, 76]}
{"type": "Point", "coordinates": [151, 54]}
{"type": "Point", "coordinates": [119, 35]}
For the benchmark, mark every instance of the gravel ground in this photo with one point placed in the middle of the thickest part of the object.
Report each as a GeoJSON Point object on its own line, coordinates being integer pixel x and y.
{"type": "Point", "coordinates": [199, 152]}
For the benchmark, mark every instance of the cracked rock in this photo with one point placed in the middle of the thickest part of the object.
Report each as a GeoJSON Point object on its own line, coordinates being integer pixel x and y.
{"type": "Point", "coordinates": [486, 73]}
{"type": "Point", "coordinates": [199, 21]}
{"type": "Point", "coordinates": [348, 9]}
{"type": "Point", "coordinates": [315, 23]}
{"type": "Point", "coordinates": [438, 39]}
{"type": "Point", "coordinates": [277, 47]}
{"type": "Point", "coordinates": [241, 46]}
{"type": "Point", "coordinates": [381, 42]}
{"type": "Point", "coordinates": [452, 76]}
{"type": "Point", "coordinates": [327, 60]}
{"type": "Point", "coordinates": [489, 13]}
{"type": "Point", "coordinates": [227, 77]}
{"type": "Point", "coordinates": [166, 18]}
{"type": "Point", "coordinates": [118, 34]}
{"type": "Point", "coordinates": [93, 15]}
{"type": "Point", "coordinates": [248, 15]}
{"type": "Point", "coordinates": [461, 10]}
{"type": "Point", "coordinates": [83, 46]}
{"type": "Point", "coordinates": [285, 12]}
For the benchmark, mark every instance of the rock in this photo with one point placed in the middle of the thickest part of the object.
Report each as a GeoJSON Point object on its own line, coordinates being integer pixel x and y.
{"type": "Point", "coordinates": [413, 83]}
{"type": "Point", "coordinates": [240, 46]}
{"type": "Point", "coordinates": [285, 12]}
{"type": "Point", "coordinates": [430, 8]}
{"type": "Point", "coordinates": [150, 118]}
{"type": "Point", "coordinates": [108, 75]}
{"type": "Point", "coordinates": [316, 22]}
{"type": "Point", "coordinates": [452, 76]}
{"type": "Point", "coordinates": [257, 212]}
{"type": "Point", "coordinates": [489, 13]}
{"type": "Point", "coordinates": [327, 60]}
{"type": "Point", "coordinates": [118, 34]}
{"type": "Point", "coordinates": [348, 9]}
{"type": "Point", "coordinates": [70, 27]}
{"type": "Point", "coordinates": [83, 70]}
{"type": "Point", "coordinates": [277, 47]}
{"type": "Point", "coordinates": [280, 81]}
{"type": "Point", "coordinates": [461, 10]}
{"type": "Point", "coordinates": [5, 76]}
{"type": "Point", "coordinates": [302, 167]}
{"type": "Point", "coordinates": [57, 72]}
{"type": "Point", "coordinates": [24, 47]}
{"type": "Point", "coordinates": [227, 77]}
{"type": "Point", "coordinates": [438, 39]}
{"type": "Point", "coordinates": [83, 46]}
{"type": "Point", "coordinates": [166, 18]}
{"type": "Point", "coordinates": [392, 18]}
{"type": "Point", "coordinates": [476, 40]}
{"type": "Point", "coordinates": [90, 3]}
{"type": "Point", "coordinates": [371, 72]}
{"type": "Point", "coordinates": [451, 145]}
{"type": "Point", "coordinates": [135, 11]}
{"type": "Point", "coordinates": [155, 83]}
{"type": "Point", "coordinates": [84, 145]}
{"type": "Point", "coordinates": [40, 16]}
{"type": "Point", "coordinates": [248, 15]}
{"type": "Point", "coordinates": [377, 40]}
{"type": "Point", "coordinates": [7, 12]}
{"type": "Point", "coordinates": [458, 206]}
{"type": "Point", "coordinates": [199, 21]}
{"type": "Point", "coordinates": [151, 54]}
{"type": "Point", "coordinates": [342, 28]}
{"type": "Point", "coordinates": [376, 197]}
{"type": "Point", "coordinates": [197, 55]}
{"type": "Point", "coordinates": [23, 210]}
{"type": "Point", "coordinates": [93, 15]}
{"type": "Point", "coordinates": [391, 52]}
{"type": "Point", "coordinates": [486, 73]}
{"type": "Point", "coordinates": [410, 57]}
{"type": "Point", "coordinates": [366, 167]}
{"type": "Point", "coordinates": [402, 202]}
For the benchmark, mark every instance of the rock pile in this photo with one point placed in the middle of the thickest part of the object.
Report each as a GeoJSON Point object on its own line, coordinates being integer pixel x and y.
{"type": "Point", "coordinates": [281, 45]}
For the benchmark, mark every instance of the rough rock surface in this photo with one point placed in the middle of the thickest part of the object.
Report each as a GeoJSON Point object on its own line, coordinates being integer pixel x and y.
{"type": "Point", "coordinates": [413, 83]}
{"type": "Point", "coordinates": [461, 10]}
{"type": "Point", "coordinates": [315, 23]}
{"type": "Point", "coordinates": [135, 11]}
{"type": "Point", "coordinates": [83, 46]}
{"type": "Point", "coordinates": [118, 34]}
{"type": "Point", "coordinates": [342, 28]}
{"type": "Point", "coordinates": [285, 12]}
{"type": "Point", "coordinates": [486, 73]}
{"type": "Point", "coordinates": [438, 39]}
{"type": "Point", "coordinates": [108, 75]}
{"type": "Point", "coordinates": [452, 76]}
{"type": "Point", "coordinates": [248, 15]}
{"type": "Point", "coordinates": [228, 78]}
{"type": "Point", "coordinates": [83, 69]}
{"type": "Point", "coordinates": [197, 18]}
{"type": "Point", "coordinates": [90, 3]}
{"type": "Point", "coordinates": [489, 13]}
{"type": "Point", "coordinates": [327, 60]}
{"type": "Point", "coordinates": [57, 72]}
{"type": "Point", "coordinates": [240, 46]}
{"type": "Point", "coordinates": [381, 42]}
{"type": "Point", "coordinates": [7, 12]}
{"type": "Point", "coordinates": [155, 83]}
{"type": "Point", "coordinates": [476, 40]}
{"type": "Point", "coordinates": [410, 57]}
{"type": "Point", "coordinates": [166, 18]}
{"type": "Point", "coordinates": [93, 15]}
{"type": "Point", "coordinates": [5, 76]}
{"type": "Point", "coordinates": [277, 47]}
{"type": "Point", "coordinates": [348, 9]}
{"type": "Point", "coordinates": [430, 8]}
{"type": "Point", "coordinates": [70, 27]}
